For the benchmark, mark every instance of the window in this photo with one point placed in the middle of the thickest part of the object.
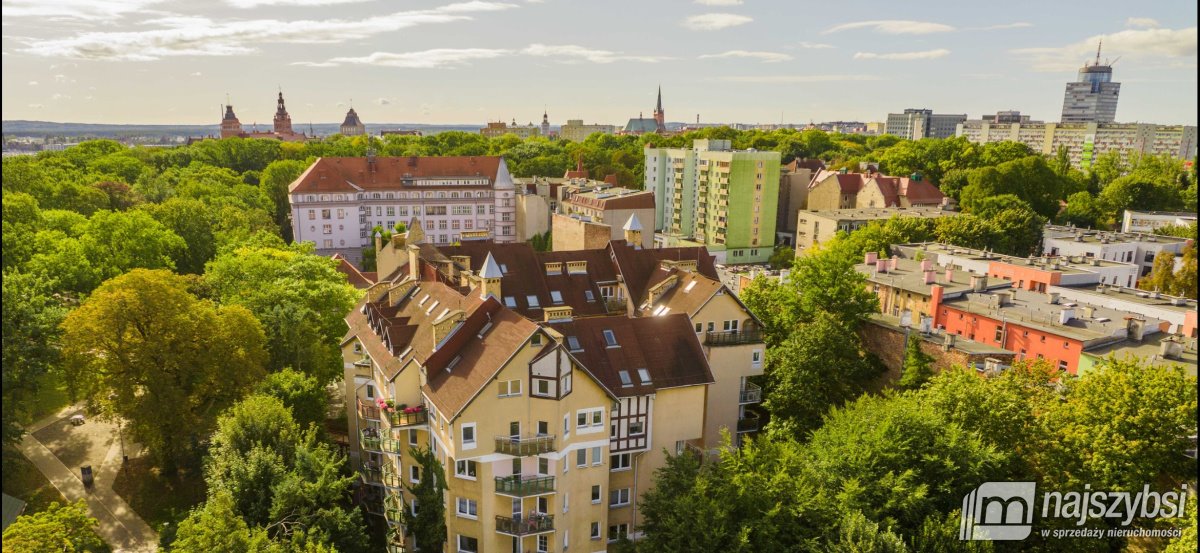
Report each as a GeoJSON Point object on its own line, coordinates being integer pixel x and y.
{"type": "Point", "coordinates": [581, 457]}
{"type": "Point", "coordinates": [596, 455]}
{"type": "Point", "coordinates": [510, 302]}
{"type": "Point", "coordinates": [588, 295]}
{"type": "Point", "coordinates": [467, 544]}
{"type": "Point", "coordinates": [414, 474]}
{"type": "Point", "coordinates": [595, 530]}
{"type": "Point", "coordinates": [533, 301]}
{"type": "Point", "coordinates": [619, 461]}
{"type": "Point", "coordinates": [1066, 345]}
{"type": "Point", "coordinates": [644, 376]}
{"type": "Point", "coordinates": [617, 531]}
{"type": "Point", "coordinates": [412, 437]}
{"type": "Point", "coordinates": [712, 326]}
{"type": "Point", "coordinates": [509, 388]}
{"type": "Point", "coordinates": [543, 466]}
{"type": "Point", "coordinates": [536, 340]}
{"type": "Point", "coordinates": [589, 420]}
{"type": "Point", "coordinates": [543, 543]}
{"type": "Point", "coordinates": [467, 508]}
{"type": "Point", "coordinates": [731, 326]}
{"type": "Point", "coordinates": [999, 334]}
{"type": "Point", "coordinates": [543, 387]}
{"type": "Point", "coordinates": [325, 214]}
{"type": "Point", "coordinates": [637, 428]}
{"type": "Point", "coordinates": [618, 498]}
{"type": "Point", "coordinates": [610, 339]}
{"type": "Point", "coordinates": [626, 382]}
{"type": "Point", "coordinates": [466, 469]}
{"type": "Point", "coordinates": [312, 215]}
{"type": "Point", "coordinates": [699, 328]}
{"type": "Point", "coordinates": [556, 297]}
{"type": "Point", "coordinates": [370, 391]}
{"type": "Point", "coordinates": [573, 344]}
{"type": "Point", "coordinates": [596, 494]}
{"type": "Point", "coordinates": [468, 435]}
{"type": "Point", "coordinates": [756, 358]}
{"type": "Point", "coordinates": [1062, 365]}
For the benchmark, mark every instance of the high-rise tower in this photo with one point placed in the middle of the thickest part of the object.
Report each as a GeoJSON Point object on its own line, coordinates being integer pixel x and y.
{"type": "Point", "coordinates": [660, 118]}
{"type": "Point", "coordinates": [283, 121]}
{"type": "Point", "coordinates": [1093, 95]}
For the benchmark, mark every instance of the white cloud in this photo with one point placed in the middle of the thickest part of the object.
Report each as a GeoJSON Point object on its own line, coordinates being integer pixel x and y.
{"type": "Point", "coordinates": [814, 45]}
{"type": "Point", "coordinates": [1002, 26]}
{"type": "Point", "coordinates": [246, 4]}
{"type": "Point", "coordinates": [903, 56]}
{"type": "Point", "coordinates": [1142, 44]}
{"type": "Point", "coordinates": [57, 96]}
{"type": "Point", "coordinates": [382, 101]}
{"type": "Point", "coordinates": [775, 79]}
{"type": "Point", "coordinates": [425, 59]}
{"type": "Point", "coordinates": [33, 83]}
{"type": "Point", "coordinates": [893, 27]}
{"type": "Point", "coordinates": [715, 21]}
{"type": "Point", "coordinates": [1141, 22]}
{"type": "Point", "coordinates": [719, 2]}
{"type": "Point", "coordinates": [200, 36]}
{"type": "Point", "coordinates": [37, 106]}
{"type": "Point", "coordinates": [766, 57]}
{"type": "Point", "coordinates": [76, 9]}
{"type": "Point", "coordinates": [571, 53]}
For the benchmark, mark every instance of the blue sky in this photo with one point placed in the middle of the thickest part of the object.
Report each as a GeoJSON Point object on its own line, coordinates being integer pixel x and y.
{"type": "Point", "coordinates": [441, 61]}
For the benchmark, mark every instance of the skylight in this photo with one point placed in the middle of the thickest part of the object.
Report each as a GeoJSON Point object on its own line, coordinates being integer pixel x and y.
{"type": "Point", "coordinates": [588, 294]}
{"type": "Point", "coordinates": [573, 344]}
{"type": "Point", "coordinates": [432, 306]}
{"type": "Point", "coordinates": [453, 363]}
{"type": "Point", "coordinates": [510, 302]}
{"type": "Point", "coordinates": [423, 300]}
{"type": "Point", "coordinates": [443, 313]}
{"type": "Point", "coordinates": [625, 380]}
{"type": "Point", "coordinates": [689, 287]}
{"type": "Point", "coordinates": [504, 268]}
{"type": "Point", "coordinates": [556, 296]}
{"type": "Point", "coordinates": [533, 301]}
{"type": "Point", "coordinates": [405, 352]}
{"type": "Point", "coordinates": [644, 376]}
{"type": "Point", "coordinates": [610, 339]}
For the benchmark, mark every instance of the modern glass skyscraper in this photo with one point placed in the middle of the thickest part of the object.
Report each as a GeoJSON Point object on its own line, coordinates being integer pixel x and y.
{"type": "Point", "coordinates": [1092, 98]}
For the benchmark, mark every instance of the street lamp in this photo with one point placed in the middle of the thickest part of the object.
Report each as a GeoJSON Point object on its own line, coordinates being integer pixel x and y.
{"type": "Point", "coordinates": [121, 436]}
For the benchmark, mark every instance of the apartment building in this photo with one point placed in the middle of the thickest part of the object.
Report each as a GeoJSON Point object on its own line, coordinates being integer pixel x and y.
{"type": "Point", "coordinates": [1136, 248]}
{"type": "Point", "coordinates": [575, 131]}
{"type": "Point", "coordinates": [915, 124]}
{"type": "Point", "coordinates": [1148, 221]}
{"type": "Point", "coordinates": [338, 200]}
{"type": "Point", "coordinates": [1036, 274]}
{"type": "Point", "coordinates": [548, 383]}
{"type": "Point", "coordinates": [1085, 141]}
{"type": "Point", "coordinates": [612, 206]}
{"type": "Point", "coordinates": [844, 190]}
{"type": "Point", "coordinates": [713, 195]}
{"type": "Point", "coordinates": [500, 128]}
{"type": "Point", "coordinates": [794, 179]}
{"type": "Point", "coordinates": [814, 227]}
{"type": "Point", "coordinates": [911, 290]}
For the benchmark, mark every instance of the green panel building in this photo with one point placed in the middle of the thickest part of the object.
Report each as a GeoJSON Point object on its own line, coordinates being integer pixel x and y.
{"type": "Point", "coordinates": [711, 194]}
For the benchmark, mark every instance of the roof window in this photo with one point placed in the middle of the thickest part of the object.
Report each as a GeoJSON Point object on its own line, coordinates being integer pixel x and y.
{"type": "Point", "coordinates": [610, 339]}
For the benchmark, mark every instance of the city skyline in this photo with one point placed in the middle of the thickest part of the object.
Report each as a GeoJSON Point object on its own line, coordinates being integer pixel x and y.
{"type": "Point", "coordinates": [167, 62]}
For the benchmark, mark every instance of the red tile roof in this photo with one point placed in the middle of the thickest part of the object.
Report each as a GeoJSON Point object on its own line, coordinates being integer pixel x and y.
{"type": "Point", "coordinates": [343, 174]}
{"type": "Point", "coordinates": [356, 278]}
{"type": "Point", "coordinates": [639, 266]}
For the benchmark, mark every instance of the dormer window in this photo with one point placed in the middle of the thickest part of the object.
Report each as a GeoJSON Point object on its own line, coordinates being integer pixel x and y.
{"type": "Point", "coordinates": [610, 339]}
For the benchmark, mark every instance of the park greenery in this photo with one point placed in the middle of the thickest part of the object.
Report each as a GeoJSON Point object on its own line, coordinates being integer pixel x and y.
{"type": "Point", "coordinates": [161, 284]}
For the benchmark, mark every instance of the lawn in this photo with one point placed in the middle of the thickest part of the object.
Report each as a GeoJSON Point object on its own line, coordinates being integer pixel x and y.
{"type": "Point", "coordinates": [157, 498]}
{"type": "Point", "coordinates": [24, 481]}
{"type": "Point", "coordinates": [52, 395]}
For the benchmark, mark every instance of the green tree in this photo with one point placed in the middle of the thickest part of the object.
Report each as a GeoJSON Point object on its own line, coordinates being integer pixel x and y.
{"type": "Point", "coordinates": [31, 320]}
{"type": "Point", "coordinates": [300, 298]}
{"type": "Point", "coordinates": [66, 528]}
{"type": "Point", "coordinates": [216, 526]}
{"type": "Point", "coordinates": [144, 349]}
{"type": "Point", "coordinates": [858, 534]}
{"type": "Point", "coordinates": [1017, 231]}
{"type": "Point", "coordinates": [1162, 274]}
{"type": "Point", "coordinates": [1185, 278]}
{"type": "Point", "coordinates": [918, 365]}
{"type": "Point", "coordinates": [818, 366]}
{"type": "Point", "coordinates": [428, 525]}
{"type": "Point", "coordinates": [1186, 542]}
{"type": "Point", "coordinates": [783, 257]}
{"type": "Point", "coordinates": [116, 242]}
{"type": "Point", "coordinates": [22, 218]}
{"type": "Point", "coordinates": [1083, 210]}
{"type": "Point", "coordinates": [190, 220]}
{"type": "Point", "coordinates": [304, 395]}
{"type": "Point", "coordinates": [275, 180]}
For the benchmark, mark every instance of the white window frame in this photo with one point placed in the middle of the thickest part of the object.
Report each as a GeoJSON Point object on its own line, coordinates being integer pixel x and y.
{"type": "Point", "coordinates": [623, 462]}
{"type": "Point", "coordinates": [597, 455]}
{"type": "Point", "coordinates": [462, 434]}
{"type": "Point", "coordinates": [458, 545]}
{"type": "Point", "coordinates": [620, 501]}
{"type": "Point", "coordinates": [467, 502]}
{"type": "Point", "coordinates": [597, 494]}
{"type": "Point", "coordinates": [462, 469]}
{"type": "Point", "coordinates": [592, 424]}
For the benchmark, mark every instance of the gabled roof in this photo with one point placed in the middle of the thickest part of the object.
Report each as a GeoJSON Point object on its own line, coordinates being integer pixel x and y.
{"type": "Point", "coordinates": [686, 295]}
{"type": "Point", "coordinates": [349, 174]}
{"type": "Point", "coordinates": [666, 348]}
{"type": "Point", "coordinates": [355, 277]}
{"type": "Point", "coordinates": [639, 266]}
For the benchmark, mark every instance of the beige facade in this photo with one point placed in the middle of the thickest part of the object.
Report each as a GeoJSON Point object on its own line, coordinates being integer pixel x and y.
{"type": "Point", "coordinates": [500, 128]}
{"type": "Point", "coordinates": [793, 196]}
{"type": "Point", "coordinates": [571, 233]}
{"type": "Point", "coordinates": [1085, 142]}
{"type": "Point", "coordinates": [814, 227]}
{"type": "Point", "coordinates": [533, 216]}
{"type": "Point", "coordinates": [575, 131]}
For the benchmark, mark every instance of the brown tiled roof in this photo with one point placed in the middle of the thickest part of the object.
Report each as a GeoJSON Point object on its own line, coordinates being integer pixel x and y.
{"type": "Point", "coordinates": [636, 200]}
{"type": "Point", "coordinates": [355, 277]}
{"type": "Point", "coordinates": [342, 174]}
{"type": "Point", "coordinates": [680, 298]}
{"type": "Point", "coordinates": [667, 347]}
{"type": "Point", "coordinates": [639, 266]}
{"type": "Point", "coordinates": [813, 165]}
{"type": "Point", "coordinates": [850, 183]}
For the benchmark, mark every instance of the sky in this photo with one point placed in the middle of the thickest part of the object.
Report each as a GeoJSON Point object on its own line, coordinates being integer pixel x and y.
{"type": "Point", "coordinates": [472, 61]}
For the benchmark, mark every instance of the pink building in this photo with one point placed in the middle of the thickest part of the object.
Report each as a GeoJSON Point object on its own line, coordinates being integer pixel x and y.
{"type": "Point", "coordinates": [337, 201]}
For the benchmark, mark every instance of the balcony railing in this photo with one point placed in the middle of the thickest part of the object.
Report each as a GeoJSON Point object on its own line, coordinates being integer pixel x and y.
{"type": "Point", "coordinates": [751, 393]}
{"type": "Point", "coordinates": [370, 440]}
{"type": "Point", "coordinates": [733, 338]}
{"type": "Point", "coordinates": [398, 418]}
{"type": "Point", "coordinates": [535, 524]}
{"type": "Point", "coordinates": [522, 486]}
{"type": "Point", "coordinates": [614, 305]}
{"type": "Point", "coordinates": [520, 447]}
{"type": "Point", "coordinates": [748, 422]}
{"type": "Point", "coordinates": [392, 509]}
{"type": "Point", "coordinates": [371, 473]}
{"type": "Point", "coordinates": [390, 444]}
{"type": "Point", "coordinates": [367, 410]}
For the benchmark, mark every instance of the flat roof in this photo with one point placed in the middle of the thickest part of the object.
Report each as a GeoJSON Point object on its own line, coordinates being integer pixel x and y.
{"type": "Point", "coordinates": [1067, 264]}
{"type": "Point", "coordinates": [1140, 297]}
{"type": "Point", "coordinates": [1148, 350]}
{"type": "Point", "coordinates": [874, 213]}
{"type": "Point", "coordinates": [1057, 232]}
{"type": "Point", "coordinates": [909, 277]}
{"type": "Point", "coordinates": [1034, 310]}
{"type": "Point", "coordinates": [961, 343]}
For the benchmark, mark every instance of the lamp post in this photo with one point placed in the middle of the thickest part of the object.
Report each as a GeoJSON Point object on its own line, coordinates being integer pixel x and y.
{"type": "Point", "coordinates": [121, 436]}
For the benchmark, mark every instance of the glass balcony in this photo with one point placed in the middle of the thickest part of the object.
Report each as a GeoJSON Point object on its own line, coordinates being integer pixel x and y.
{"type": "Point", "coordinates": [748, 422]}
{"type": "Point", "coordinates": [733, 338]}
{"type": "Point", "coordinates": [751, 393]}
{"type": "Point", "coordinates": [369, 439]}
{"type": "Point", "coordinates": [534, 524]}
{"type": "Point", "coordinates": [393, 509]}
{"type": "Point", "coordinates": [523, 486]}
{"type": "Point", "coordinates": [371, 473]}
{"type": "Point", "coordinates": [391, 445]}
{"type": "Point", "coordinates": [521, 447]}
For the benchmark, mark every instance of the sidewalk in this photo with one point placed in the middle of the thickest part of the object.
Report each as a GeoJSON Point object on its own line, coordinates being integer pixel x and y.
{"type": "Point", "coordinates": [119, 525]}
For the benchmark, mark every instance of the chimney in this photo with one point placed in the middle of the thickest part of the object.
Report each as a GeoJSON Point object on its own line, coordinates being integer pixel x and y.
{"type": "Point", "coordinates": [1066, 315]}
{"type": "Point", "coordinates": [870, 258]}
{"type": "Point", "coordinates": [558, 313]}
{"type": "Point", "coordinates": [1088, 311]}
{"type": "Point", "coordinates": [926, 264]}
{"type": "Point", "coordinates": [948, 343]}
{"type": "Point", "coordinates": [414, 263]}
{"type": "Point", "coordinates": [949, 275]}
{"type": "Point", "coordinates": [978, 282]}
{"type": "Point", "coordinates": [894, 262]}
{"type": "Point", "coordinates": [1052, 297]}
{"type": "Point", "coordinates": [930, 276]}
{"type": "Point", "coordinates": [1136, 328]}
{"type": "Point", "coordinates": [881, 266]}
{"type": "Point", "coordinates": [378, 241]}
{"type": "Point", "coordinates": [1170, 349]}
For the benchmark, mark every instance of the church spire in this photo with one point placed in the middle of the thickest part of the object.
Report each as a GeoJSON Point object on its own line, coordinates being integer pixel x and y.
{"type": "Point", "coordinates": [659, 106]}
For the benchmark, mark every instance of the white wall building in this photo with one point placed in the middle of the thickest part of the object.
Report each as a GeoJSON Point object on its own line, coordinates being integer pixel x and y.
{"type": "Point", "coordinates": [337, 201]}
{"type": "Point", "coordinates": [1139, 249]}
{"type": "Point", "coordinates": [1147, 221]}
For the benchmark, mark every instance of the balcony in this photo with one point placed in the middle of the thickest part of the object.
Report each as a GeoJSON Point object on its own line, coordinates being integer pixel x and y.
{"type": "Point", "coordinates": [524, 486]}
{"type": "Point", "coordinates": [393, 509]}
{"type": "Point", "coordinates": [521, 447]}
{"type": "Point", "coordinates": [369, 439]}
{"type": "Point", "coordinates": [614, 305]}
{"type": "Point", "coordinates": [390, 445]}
{"type": "Point", "coordinates": [534, 524]}
{"type": "Point", "coordinates": [733, 337]}
{"type": "Point", "coordinates": [371, 473]}
{"type": "Point", "coordinates": [389, 477]}
{"type": "Point", "coordinates": [751, 393]}
{"type": "Point", "coordinates": [408, 416]}
{"type": "Point", "coordinates": [367, 410]}
{"type": "Point", "coordinates": [395, 541]}
{"type": "Point", "coordinates": [748, 422]}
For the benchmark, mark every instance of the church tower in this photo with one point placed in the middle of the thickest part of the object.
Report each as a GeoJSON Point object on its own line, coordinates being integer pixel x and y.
{"type": "Point", "coordinates": [545, 123]}
{"type": "Point", "coordinates": [660, 118]}
{"type": "Point", "coordinates": [283, 121]}
{"type": "Point", "coordinates": [230, 126]}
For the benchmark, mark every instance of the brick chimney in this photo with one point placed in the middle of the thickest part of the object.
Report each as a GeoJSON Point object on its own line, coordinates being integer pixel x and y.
{"type": "Point", "coordinates": [949, 275]}
{"type": "Point", "coordinates": [870, 258]}
{"type": "Point", "coordinates": [930, 276]}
